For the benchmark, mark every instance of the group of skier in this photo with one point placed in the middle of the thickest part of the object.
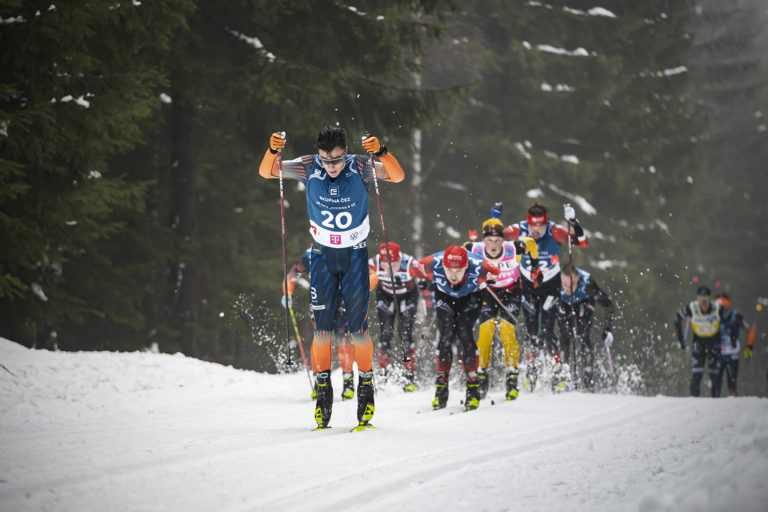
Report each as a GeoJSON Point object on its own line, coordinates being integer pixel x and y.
{"type": "Point", "coordinates": [488, 281]}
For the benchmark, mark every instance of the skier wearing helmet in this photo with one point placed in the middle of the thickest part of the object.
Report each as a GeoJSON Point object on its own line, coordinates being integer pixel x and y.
{"type": "Point", "coordinates": [458, 277]}
{"type": "Point", "coordinates": [506, 255]}
{"type": "Point", "coordinates": [391, 262]}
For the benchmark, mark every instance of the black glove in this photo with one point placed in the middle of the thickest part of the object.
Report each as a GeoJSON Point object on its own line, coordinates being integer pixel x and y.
{"type": "Point", "coordinates": [577, 229]}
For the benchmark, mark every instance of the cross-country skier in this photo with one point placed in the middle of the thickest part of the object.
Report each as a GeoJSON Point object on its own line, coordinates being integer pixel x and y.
{"type": "Point", "coordinates": [705, 318]}
{"type": "Point", "coordinates": [344, 348]}
{"type": "Point", "coordinates": [403, 267]}
{"type": "Point", "coordinates": [541, 281]}
{"type": "Point", "coordinates": [459, 279]}
{"type": "Point", "coordinates": [337, 204]}
{"type": "Point", "coordinates": [505, 255]}
{"type": "Point", "coordinates": [576, 311]}
{"type": "Point", "coordinates": [729, 354]}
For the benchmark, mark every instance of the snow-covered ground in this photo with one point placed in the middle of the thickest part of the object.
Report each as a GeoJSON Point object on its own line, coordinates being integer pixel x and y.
{"type": "Point", "coordinates": [143, 431]}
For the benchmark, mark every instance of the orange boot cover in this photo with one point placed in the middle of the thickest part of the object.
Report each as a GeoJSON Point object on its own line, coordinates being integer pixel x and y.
{"type": "Point", "coordinates": [346, 352]}
{"type": "Point", "coordinates": [322, 353]}
{"type": "Point", "coordinates": [363, 350]}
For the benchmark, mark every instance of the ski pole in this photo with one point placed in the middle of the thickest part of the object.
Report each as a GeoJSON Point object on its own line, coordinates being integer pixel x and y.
{"type": "Point", "coordinates": [570, 265]}
{"type": "Point", "coordinates": [301, 346]}
{"type": "Point", "coordinates": [610, 360]}
{"type": "Point", "coordinates": [285, 256]}
{"type": "Point", "coordinates": [406, 348]}
{"type": "Point", "coordinates": [752, 333]}
{"type": "Point", "coordinates": [496, 297]}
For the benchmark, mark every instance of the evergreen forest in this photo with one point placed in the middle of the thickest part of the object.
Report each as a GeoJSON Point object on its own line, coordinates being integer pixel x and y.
{"type": "Point", "coordinates": [133, 217]}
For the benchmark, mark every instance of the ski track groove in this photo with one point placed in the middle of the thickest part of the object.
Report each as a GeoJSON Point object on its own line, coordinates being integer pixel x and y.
{"type": "Point", "coordinates": [433, 465]}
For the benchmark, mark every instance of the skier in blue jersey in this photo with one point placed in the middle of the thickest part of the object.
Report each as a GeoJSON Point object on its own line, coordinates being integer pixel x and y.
{"type": "Point", "coordinates": [337, 203]}
{"type": "Point", "coordinates": [576, 311]}
{"type": "Point", "coordinates": [729, 353]}
{"type": "Point", "coordinates": [541, 284]}
{"type": "Point", "coordinates": [459, 279]}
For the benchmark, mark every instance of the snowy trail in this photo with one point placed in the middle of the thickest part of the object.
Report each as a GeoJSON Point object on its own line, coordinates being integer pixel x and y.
{"type": "Point", "coordinates": [141, 431]}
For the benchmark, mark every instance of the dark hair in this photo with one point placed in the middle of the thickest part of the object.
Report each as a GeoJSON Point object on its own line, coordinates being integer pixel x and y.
{"type": "Point", "coordinates": [568, 269]}
{"type": "Point", "coordinates": [537, 210]}
{"type": "Point", "coordinates": [331, 137]}
{"type": "Point", "coordinates": [703, 290]}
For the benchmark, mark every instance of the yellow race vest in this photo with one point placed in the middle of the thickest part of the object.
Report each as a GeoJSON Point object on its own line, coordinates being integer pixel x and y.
{"type": "Point", "coordinates": [705, 325]}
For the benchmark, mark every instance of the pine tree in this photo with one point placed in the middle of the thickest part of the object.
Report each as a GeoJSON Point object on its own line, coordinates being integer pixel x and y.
{"type": "Point", "coordinates": [75, 89]}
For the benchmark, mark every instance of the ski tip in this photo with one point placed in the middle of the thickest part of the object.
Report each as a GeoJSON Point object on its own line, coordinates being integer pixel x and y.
{"type": "Point", "coordinates": [362, 427]}
{"type": "Point", "coordinates": [493, 403]}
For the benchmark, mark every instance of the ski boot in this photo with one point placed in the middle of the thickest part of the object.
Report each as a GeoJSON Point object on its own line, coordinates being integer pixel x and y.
{"type": "Point", "coordinates": [512, 392]}
{"type": "Point", "coordinates": [482, 381]}
{"type": "Point", "coordinates": [348, 389]}
{"type": "Point", "coordinates": [324, 404]}
{"type": "Point", "coordinates": [441, 392]}
{"type": "Point", "coordinates": [472, 401]}
{"type": "Point", "coordinates": [314, 391]}
{"type": "Point", "coordinates": [409, 385]}
{"type": "Point", "coordinates": [365, 405]}
{"type": "Point", "coordinates": [531, 375]}
{"type": "Point", "coordinates": [558, 380]}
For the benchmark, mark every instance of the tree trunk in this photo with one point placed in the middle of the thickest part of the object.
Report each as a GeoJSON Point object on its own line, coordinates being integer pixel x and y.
{"type": "Point", "coordinates": [184, 302]}
{"type": "Point", "coordinates": [416, 195]}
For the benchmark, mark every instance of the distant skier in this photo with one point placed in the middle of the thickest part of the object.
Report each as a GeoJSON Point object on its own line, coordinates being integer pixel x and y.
{"type": "Point", "coordinates": [729, 354]}
{"type": "Point", "coordinates": [576, 311]}
{"type": "Point", "coordinates": [337, 204]}
{"type": "Point", "coordinates": [344, 347]}
{"type": "Point", "coordinates": [506, 256]}
{"type": "Point", "coordinates": [541, 282]}
{"type": "Point", "coordinates": [459, 278]}
{"type": "Point", "coordinates": [403, 267]}
{"type": "Point", "coordinates": [704, 317]}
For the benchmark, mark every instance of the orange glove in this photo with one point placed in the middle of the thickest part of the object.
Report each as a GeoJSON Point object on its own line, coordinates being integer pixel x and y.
{"type": "Point", "coordinates": [277, 141]}
{"type": "Point", "coordinates": [374, 279]}
{"type": "Point", "coordinates": [291, 286]}
{"type": "Point", "coordinates": [371, 144]}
